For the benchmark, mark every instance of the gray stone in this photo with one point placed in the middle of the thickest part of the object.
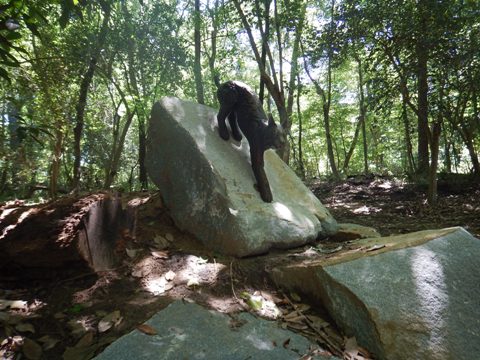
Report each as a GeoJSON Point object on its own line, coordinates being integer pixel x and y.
{"type": "Point", "coordinates": [414, 296]}
{"type": "Point", "coordinates": [189, 331]}
{"type": "Point", "coordinates": [208, 186]}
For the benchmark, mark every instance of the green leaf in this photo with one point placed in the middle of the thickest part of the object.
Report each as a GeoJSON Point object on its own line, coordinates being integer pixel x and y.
{"type": "Point", "coordinates": [75, 309]}
{"type": "Point", "coordinates": [12, 35]}
{"type": "Point", "coordinates": [4, 75]}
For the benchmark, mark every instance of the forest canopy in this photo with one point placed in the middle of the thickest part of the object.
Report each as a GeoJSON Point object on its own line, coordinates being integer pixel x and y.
{"type": "Point", "coordinates": [359, 86]}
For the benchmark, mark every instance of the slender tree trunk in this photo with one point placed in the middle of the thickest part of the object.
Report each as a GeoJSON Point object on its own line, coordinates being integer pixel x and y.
{"type": "Point", "coordinates": [432, 176]}
{"type": "Point", "coordinates": [197, 70]}
{"type": "Point", "coordinates": [213, 44]}
{"type": "Point", "coordinates": [55, 166]}
{"type": "Point", "coordinates": [301, 164]}
{"type": "Point", "coordinates": [325, 96]}
{"type": "Point", "coordinates": [448, 156]}
{"type": "Point", "coordinates": [421, 49]}
{"type": "Point", "coordinates": [272, 83]}
{"type": "Point", "coordinates": [82, 100]}
{"type": "Point", "coordinates": [266, 16]}
{"type": "Point", "coordinates": [327, 102]}
{"type": "Point", "coordinates": [363, 115]}
{"type": "Point", "coordinates": [295, 56]}
{"type": "Point", "coordinates": [117, 151]}
{"type": "Point", "coordinates": [353, 144]}
{"type": "Point", "coordinates": [408, 139]}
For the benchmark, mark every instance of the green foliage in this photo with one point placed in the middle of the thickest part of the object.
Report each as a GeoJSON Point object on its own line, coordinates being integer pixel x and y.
{"type": "Point", "coordinates": [46, 48]}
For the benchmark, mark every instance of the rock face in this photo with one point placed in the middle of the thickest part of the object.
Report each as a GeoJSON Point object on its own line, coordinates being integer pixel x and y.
{"type": "Point", "coordinates": [189, 331]}
{"type": "Point", "coordinates": [208, 185]}
{"type": "Point", "coordinates": [414, 296]}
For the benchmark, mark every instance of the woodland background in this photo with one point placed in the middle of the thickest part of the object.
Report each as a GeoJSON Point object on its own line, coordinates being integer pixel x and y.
{"type": "Point", "coordinates": [384, 87]}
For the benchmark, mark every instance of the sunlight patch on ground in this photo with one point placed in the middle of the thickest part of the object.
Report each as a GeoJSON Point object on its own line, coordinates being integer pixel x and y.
{"type": "Point", "coordinates": [365, 210]}
{"type": "Point", "coordinates": [187, 270]}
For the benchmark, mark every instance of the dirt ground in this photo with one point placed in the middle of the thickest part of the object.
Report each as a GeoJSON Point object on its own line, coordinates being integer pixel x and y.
{"type": "Point", "coordinates": [76, 316]}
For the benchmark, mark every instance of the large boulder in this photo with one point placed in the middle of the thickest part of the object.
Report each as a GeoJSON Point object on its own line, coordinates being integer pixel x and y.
{"type": "Point", "coordinates": [208, 185]}
{"type": "Point", "coordinates": [412, 296]}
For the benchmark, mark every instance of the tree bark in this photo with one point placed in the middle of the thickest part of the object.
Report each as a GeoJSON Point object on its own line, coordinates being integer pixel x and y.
{"type": "Point", "coordinates": [363, 115]}
{"type": "Point", "coordinates": [295, 56]}
{"type": "Point", "coordinates": [82, 100]}
{"type": "Point", "coordinates": [271, 83]}
{"type": "Point", "coordinates": [197, 69]}
{"type": "Point", "coordinates": [421, 49]}
{"type": "Point", "coordinates": [301, 164]}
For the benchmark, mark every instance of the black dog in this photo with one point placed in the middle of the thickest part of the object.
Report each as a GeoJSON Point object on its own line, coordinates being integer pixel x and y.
{"type": "Point", "coordinates": [244, 110]}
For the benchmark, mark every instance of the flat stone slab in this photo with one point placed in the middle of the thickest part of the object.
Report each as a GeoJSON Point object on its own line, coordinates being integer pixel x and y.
{"type": "Point", "coordinates": [189, 331]}
{"type": "Point", "coordinates": [207, 184]}
{"type": "Point", "coordinates": [413, 296]}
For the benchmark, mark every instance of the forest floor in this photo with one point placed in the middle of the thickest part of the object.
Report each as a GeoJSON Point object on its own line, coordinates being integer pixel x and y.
{"type": "Point", "coordinates": [75, 317]}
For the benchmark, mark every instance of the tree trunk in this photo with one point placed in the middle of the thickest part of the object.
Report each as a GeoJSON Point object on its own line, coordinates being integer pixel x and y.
{"type": "Point", "coordinates": [55, 166]}
{"type": "Point", "coordinates": [408, 139]}
{"type": "Point", "coordinates": [272, 83]}
{"type": "Point", "coordinates": [327, 99]}
{"type": "Point", "coordinates": [301, 164]}
{"type": "Point", "coordinates": [421, 49]}
{"type": "Point", "coordinates": [353, 144]}
{"type": "Point", "coordinates": [363, 115]}
{"type": "Point", "coordinates": [117, 150]}
{"type": "Point", "coordinates": [82, 100]}
{"type": "Point", "coordinates": [197, 69]}
{"type": "Point", "coordinates": [267, 3]}
{"type": "Point", "coordinates": [295, 56]}
{"type": "Point", "coordinates": [432, 176]}
{"type": "Point", "coordinates": [213, 43]}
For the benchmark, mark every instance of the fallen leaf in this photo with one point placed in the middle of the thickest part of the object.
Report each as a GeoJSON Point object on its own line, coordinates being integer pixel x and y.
{"type": "Point", "coordinates": [375, 247]}
{"type": "Point", "coordinates": [25, 327]}
{"type": "Point", "coordinates": [139, 272]}
{"type": "Point", "coordinates": [86, 340]}
{"type": "Point", "coordinates": [31, 349]}
{"type": "Point", "coordinates": [297, 326]}
{"type": "Point", "coordinates": [158, 254]}
{"type": "Point", "coordinates": [77, 327]}
{"type": "Point", "coordinates": [131, 252]}
{"type": "Point", "coordinates": [48, 342]}
{"type": "Point", "coordinates": [201, 261]}
{"type": "Point", "coordinates": [169, 276]}
{"type": "Point", "coordinates": [110, 320]}
{"type": "Point", "coordinates": [192, 282]}
{"type": "Point", "coordinates": [169, 237]}
{"type": "Point", "coordinates": [80, 353]}
{"type": "Point", "coordinates": [160, 241]}
{"type": "Point", "coordinates": [327, 250]}
{"type": "Point", "coordinates": [295, 297]}
{"type": "Point", "coordinates": [59, 315]}
{"type": "Point", "coordinates": [147, 329]}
